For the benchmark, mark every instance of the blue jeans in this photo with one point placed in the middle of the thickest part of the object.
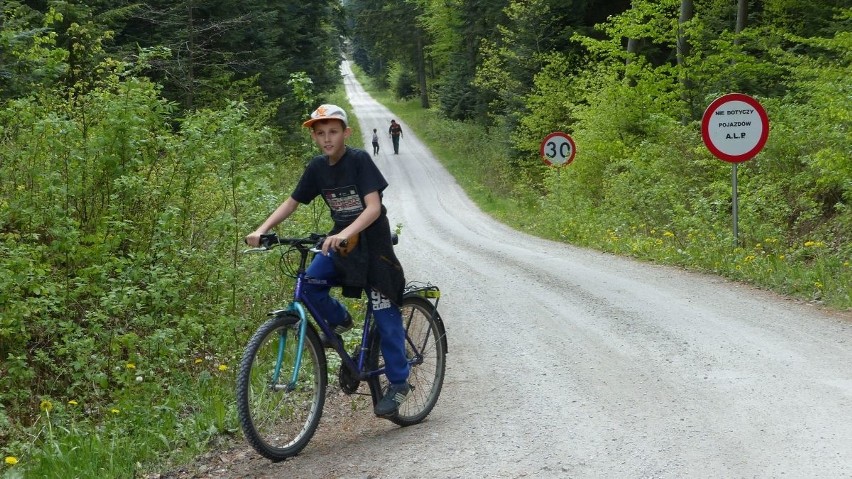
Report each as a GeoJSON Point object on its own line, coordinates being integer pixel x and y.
{"type": "Point", "coordinates": [386, 314]}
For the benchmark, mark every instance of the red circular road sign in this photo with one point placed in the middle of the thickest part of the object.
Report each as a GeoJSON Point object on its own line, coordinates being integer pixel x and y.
{"type": "Point", "coordinates": [735, 127]}
{"type": "Point", "coordinates": [558, 149]}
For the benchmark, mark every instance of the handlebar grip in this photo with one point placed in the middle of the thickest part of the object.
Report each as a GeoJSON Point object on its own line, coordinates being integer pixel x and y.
{"type": "Point", "coordinates": [268, 239]}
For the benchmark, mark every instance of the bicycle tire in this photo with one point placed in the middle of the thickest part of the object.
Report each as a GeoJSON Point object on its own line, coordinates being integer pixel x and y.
{"type": "Point", "coordinates": [425, 329]}
{"type": "Point", "coordinates": [278, 423]}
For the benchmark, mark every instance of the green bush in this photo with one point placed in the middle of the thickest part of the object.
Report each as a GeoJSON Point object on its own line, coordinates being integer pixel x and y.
{"type": "Point", "coordinates": [123, 293]}
{"type": "Point", "coordinates": [403, 81]}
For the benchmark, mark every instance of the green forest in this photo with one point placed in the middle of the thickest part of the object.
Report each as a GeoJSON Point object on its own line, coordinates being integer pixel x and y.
{"type": "Point", "coordinates": [139, 143]}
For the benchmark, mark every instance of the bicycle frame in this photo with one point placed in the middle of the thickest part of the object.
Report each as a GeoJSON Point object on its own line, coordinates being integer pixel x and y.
{"type": "Point", "coordinates": [302, 307]}
{"type": "Point", "coordinates": [299, 305]}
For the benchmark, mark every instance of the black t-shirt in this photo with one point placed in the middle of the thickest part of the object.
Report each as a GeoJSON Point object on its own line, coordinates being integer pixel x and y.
{"type": "Point", "coordinates": [342, 186]}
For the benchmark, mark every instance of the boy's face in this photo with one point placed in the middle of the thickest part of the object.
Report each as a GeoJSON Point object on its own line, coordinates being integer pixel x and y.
{"type": "Point", "coordinates": [330, 136]}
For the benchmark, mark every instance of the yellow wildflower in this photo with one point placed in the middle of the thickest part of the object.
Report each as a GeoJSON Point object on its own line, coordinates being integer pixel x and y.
{"type": "Point", "coordinates": [130, 366]}
{"type": "Point", "coordinates": [198, 360]}
{"type": "Point", "coordinates": [11, 460]}
{"type": "Point", "coordinates": [72, 402]}
{"type": "Point", "coordinates": [223, 367]}
{"type": "Point", "coordinates": [45, 405]}
{"type": "Point", "coordinates": [114, 411]}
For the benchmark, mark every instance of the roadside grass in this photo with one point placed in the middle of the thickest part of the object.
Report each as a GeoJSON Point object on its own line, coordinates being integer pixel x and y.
{"type": "Point", "coordinates": [807, 269]}
{"type": "Point", "coordinates": [133, 436]}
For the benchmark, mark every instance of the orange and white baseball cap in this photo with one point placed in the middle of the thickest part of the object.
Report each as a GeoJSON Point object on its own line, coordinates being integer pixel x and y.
{"type": "Point", "coordinates": [327, 112]}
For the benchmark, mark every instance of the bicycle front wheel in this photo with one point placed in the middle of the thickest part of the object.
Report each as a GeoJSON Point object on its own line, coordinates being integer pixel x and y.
{"type": "Point", "coordinates": [281, 388]}
{"type": "Point", "coordinates": [426, 348]}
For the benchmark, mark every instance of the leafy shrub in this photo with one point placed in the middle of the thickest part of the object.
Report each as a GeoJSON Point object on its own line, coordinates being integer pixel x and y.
{"type": "Point", "coordinates": [403, 81]}
{"type": "Point", "coordinates": [122, 284]}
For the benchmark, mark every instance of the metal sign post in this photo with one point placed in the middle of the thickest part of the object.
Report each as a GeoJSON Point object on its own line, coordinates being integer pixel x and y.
{"type": "Point", "coordinates": [735, 206]}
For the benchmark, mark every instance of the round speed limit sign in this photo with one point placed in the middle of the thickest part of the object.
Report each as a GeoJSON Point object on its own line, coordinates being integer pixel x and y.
{"type": "Point", "coordinates": [558, 149]}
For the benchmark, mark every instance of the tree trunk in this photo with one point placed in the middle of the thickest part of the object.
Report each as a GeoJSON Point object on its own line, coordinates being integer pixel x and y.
{"type": "Point", "coordinates": [190, 67]}
{"type": "Point", "coordinates": [742, 16]}
{"type": "Point", "coordinates": [686, 12]}
{"type": "Point", "coordinates": [632, 48]}
{"type": "Point", "coordinates": [421, 73]}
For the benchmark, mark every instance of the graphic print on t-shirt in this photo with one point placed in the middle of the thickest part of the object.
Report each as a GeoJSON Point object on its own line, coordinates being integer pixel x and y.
{"type": "Point", "coordinates": [344, 203]}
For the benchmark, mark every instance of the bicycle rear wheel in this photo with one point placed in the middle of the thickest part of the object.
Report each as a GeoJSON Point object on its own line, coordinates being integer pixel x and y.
{"type": "Point", "coordinates": [426, 348]}
{"type": "Point", "coordinates": [280, 412]}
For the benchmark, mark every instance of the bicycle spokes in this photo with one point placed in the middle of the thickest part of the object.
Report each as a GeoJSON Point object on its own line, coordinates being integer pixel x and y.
{"type": "Point", "coordinates": [281, 389]}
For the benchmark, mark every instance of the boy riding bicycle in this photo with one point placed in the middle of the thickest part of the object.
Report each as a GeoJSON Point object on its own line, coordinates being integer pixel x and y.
{"type": "Point", "coordinates": [358, 249]}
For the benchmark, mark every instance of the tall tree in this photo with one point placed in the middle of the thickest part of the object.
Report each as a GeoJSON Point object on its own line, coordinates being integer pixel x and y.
{"type": "Point", "coordinates": [457, 29]}
{"type": "Point", "coordinates": [532, 31]}
{"type": "Point", "coordinates": [202, 52]}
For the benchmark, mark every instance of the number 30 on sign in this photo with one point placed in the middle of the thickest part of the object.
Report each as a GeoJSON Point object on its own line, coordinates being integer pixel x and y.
{"type": "Point", "coordinates": [558, 149]}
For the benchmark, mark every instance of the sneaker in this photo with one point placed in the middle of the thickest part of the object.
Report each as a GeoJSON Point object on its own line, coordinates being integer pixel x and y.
{"type": "Point", "coordinates": [389, 404]}
{"type": "Point", "coordinates": [339, 329]}
{"type": "Point", "coordinates": [346, 325]}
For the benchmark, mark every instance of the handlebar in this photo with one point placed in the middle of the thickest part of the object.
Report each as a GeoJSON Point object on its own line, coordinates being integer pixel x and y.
{"type": "Point", "coordinates": [312, 242]}
{"type": "Point", "coordinates": [269, 241]}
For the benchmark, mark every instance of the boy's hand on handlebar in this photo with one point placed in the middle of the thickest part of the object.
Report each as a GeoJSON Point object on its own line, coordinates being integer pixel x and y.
{"type": "Point", "coordinates": [333, 243]}
{"type": "Point", "coordinates": [253, 239]}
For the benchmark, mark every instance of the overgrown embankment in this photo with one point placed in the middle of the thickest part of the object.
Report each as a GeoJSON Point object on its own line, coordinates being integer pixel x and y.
{"type": "Point", "coordinates": [124, 299]}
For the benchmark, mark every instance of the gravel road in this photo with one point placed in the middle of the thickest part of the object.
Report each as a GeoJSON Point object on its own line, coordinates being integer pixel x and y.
{"type": "Point", "coordinates": [565, 362]}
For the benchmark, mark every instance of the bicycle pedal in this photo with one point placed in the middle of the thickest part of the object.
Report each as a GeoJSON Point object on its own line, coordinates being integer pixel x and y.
{"type": "Point", "coordinates": [327, 344]}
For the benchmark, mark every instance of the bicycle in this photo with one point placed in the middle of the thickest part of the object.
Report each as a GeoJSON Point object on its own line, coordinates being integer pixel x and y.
{"type": "Point", "coordinates": [283, 374]}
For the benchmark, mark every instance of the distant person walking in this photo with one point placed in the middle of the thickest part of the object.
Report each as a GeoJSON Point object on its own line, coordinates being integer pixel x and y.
{"type": "Point", "coordinates": [395, 132]}
{"type": "Point", "coordinates": [375, 142]}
